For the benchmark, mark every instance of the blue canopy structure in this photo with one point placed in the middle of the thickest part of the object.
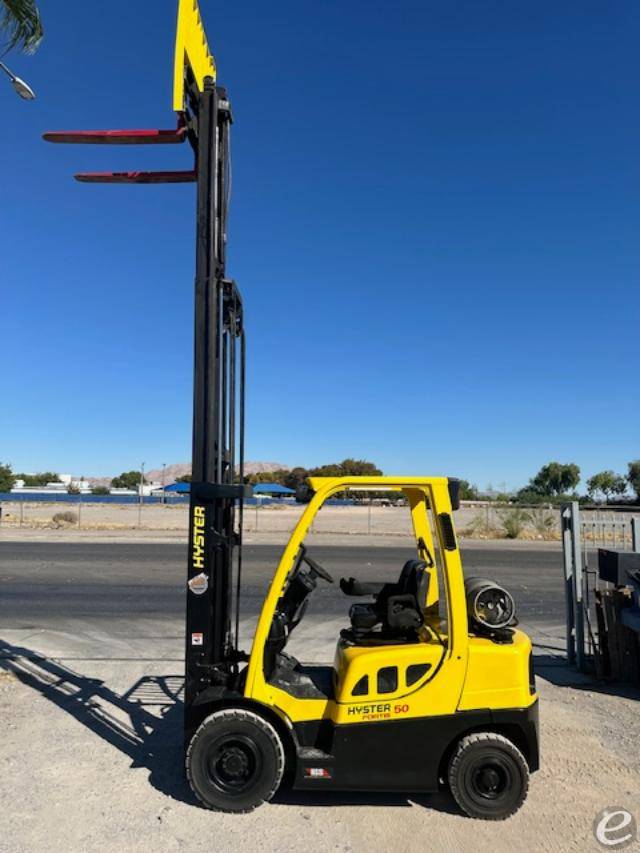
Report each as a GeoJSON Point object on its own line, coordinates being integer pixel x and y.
{"type": "Point", "coordinates": [264, 489]}
{"type": "Point", "coordinates": [272, 489]}
{"type": "Point", "coordinates": [178, 488]}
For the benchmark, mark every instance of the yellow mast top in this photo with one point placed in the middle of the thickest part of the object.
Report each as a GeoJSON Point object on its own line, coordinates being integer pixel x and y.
{"type": "Point", "coordinates": [192, 51]}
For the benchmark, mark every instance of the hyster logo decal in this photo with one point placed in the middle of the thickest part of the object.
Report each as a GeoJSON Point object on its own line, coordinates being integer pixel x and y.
{"type": "Point", "coordinates": [197, 553]}
{"type": "Point", "coordinates": [383, 708]}
{"type": "Point", "coordinates": [376, 712]}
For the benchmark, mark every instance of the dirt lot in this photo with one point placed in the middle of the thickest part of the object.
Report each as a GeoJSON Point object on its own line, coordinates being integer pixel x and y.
{"type": "Point", "coordinates": [91, 753]}
{"type": "Point", "coordinates": [473, 521]}
{"type": "Point", "coordinates": [483, 522]}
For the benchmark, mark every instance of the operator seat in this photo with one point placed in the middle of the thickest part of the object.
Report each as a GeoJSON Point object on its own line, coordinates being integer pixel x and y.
{"type": "Point", "coordinates": [396, 612]}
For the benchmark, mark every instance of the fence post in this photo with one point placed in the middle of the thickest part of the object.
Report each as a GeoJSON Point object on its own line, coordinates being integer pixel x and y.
{"type": "Point", "coordinates": [574, 583]}
{"type": "Point", "coordinates": [565, 526]}
{"type": "Point", "coordinates": [635, 533]}
{"type": "Point", "coordinates": [578, 584]}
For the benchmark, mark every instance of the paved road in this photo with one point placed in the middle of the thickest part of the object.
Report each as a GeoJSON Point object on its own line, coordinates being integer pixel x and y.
{"type": "Point", "coordinates": [43, 585]}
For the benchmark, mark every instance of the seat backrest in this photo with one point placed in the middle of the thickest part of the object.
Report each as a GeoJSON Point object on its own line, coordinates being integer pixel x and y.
{"type": "Point", "coordinates": [414, 580]}
{"type": "Point", "coordinates": [398, 607]}
{"type": "Point", "coordinates": [404, 604]}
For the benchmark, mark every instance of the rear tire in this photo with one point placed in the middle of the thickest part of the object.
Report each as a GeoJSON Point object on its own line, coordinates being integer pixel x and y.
{"type": "Point", "coordinates": [488, 776]}
{"type": "Point", "coordinates": [235, 761]}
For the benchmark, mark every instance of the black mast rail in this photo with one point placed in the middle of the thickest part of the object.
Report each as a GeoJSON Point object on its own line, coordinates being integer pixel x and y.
{"type": "Point", "coordinates": [217, 491]}
{"type": "Point", "coordinates": [218, 418]}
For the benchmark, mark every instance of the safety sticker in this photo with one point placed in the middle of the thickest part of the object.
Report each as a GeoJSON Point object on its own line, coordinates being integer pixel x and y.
{"type": "Point", "coordinates": [317, 773]}
{"type": "Point", "coordinates": [199, 584]}
{"type": "Point", "coordinates": [197, 639]}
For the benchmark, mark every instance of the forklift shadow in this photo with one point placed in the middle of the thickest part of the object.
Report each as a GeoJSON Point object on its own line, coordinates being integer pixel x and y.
{"type": "Point", "coordinates": [144, 722]}
{"type": "Point", "coordinates": [558, 672]}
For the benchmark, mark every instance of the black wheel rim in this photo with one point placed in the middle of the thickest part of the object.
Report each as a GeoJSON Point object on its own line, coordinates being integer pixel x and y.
{"type": "Point", "coordinates": [490, 780]}
{"type": "Point", "coordinates": [233, 764]}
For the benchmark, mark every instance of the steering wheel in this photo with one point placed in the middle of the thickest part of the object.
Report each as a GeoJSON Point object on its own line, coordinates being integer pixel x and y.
{"type": "Point", "coordinates": [317, 568]}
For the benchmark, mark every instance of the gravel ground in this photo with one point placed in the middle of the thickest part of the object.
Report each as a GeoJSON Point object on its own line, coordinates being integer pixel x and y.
{"type": "Point", "coordinates": [91, 761]}
{"type": "Point", "coordinates": [91, 753]}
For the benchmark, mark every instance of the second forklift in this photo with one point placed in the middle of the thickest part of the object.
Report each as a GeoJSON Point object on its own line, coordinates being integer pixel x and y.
{"type": "Point", "coordinates": [431, 685]}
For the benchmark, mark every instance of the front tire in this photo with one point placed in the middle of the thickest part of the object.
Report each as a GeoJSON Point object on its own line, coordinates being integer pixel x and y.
{"type": "Point", "coordinates": [488, 776]}
{"type": "Point", "coordinates": [235, 761]}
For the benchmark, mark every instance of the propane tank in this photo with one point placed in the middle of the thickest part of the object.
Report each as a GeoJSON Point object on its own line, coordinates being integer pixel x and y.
{"type": "Point", "coordinates": [489, 606]}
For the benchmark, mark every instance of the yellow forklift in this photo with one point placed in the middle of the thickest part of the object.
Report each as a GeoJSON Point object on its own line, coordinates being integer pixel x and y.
{"type": "Point", "coordinates": [431, 684]}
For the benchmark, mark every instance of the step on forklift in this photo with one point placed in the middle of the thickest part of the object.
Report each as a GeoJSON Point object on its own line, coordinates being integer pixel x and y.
{"type": "Point", "coordinates": [431, 684]}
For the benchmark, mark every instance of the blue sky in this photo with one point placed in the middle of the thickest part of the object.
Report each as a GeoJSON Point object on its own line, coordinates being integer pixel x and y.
{"type": "Point", "coordinates": [434, 224]}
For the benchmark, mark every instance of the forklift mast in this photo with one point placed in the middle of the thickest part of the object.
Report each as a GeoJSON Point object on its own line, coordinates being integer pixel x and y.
{"type": "Point", "coordinates": [218, 417]}
{"type": "Point", "coordinates": [217, 490]}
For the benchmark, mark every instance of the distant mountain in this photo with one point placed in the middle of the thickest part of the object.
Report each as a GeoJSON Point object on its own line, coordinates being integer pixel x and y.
{"type": "Point", "coordinates": [171, 473]}
{"type": "Point", "coordinates": [263, 467]}
{"type": "Point", "coordinates": [181, 469]}
{"type": "Point", "coordinates": [99, 481]}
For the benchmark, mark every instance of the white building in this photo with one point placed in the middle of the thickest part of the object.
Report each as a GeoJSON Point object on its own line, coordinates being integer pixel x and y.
{"type": "Point", "coordinates": [67, 481]}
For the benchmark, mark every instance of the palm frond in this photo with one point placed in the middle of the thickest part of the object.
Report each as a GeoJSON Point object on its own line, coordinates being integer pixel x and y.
{"type": "Point", "coordinates": [20, 21]}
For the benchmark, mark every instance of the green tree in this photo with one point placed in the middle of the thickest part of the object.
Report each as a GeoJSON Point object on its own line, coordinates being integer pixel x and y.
{"type": "Point", "coordinates": [359, 468]}
{"type": "Point", "coordinates": [7, 478]}
{"type": "Point", "coordinates": [467, 491]}
{"type": "Point", "coordinates": [186, 478]}
{"type": "Point", "coordinates": [127, 480]}
{"type": "Point", "coordinates": [347, 468]}
{"type": "Point", "coordinates": [295, 477]}
{"type": "Point", "coordinates": [20, 22]}
{"type": "Point", "coordinates": [265, 477]}
{"type": "Point", "coordinates": [331, 469]}
{"type": "Point", "coordinates": [555, 478]}
{"type": "Point", "coordinates": [277, 476]}
{"type": "Point", "coordinates": [99, 490]}
{"type": "Point", "coordinates": [606, 483]}
{"type": "Point", "coordinates": [528, 496]}
{"type": "Point", "coordinates": [39, 479]}
{"type": "Point", "coordinates": [633, 476]}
